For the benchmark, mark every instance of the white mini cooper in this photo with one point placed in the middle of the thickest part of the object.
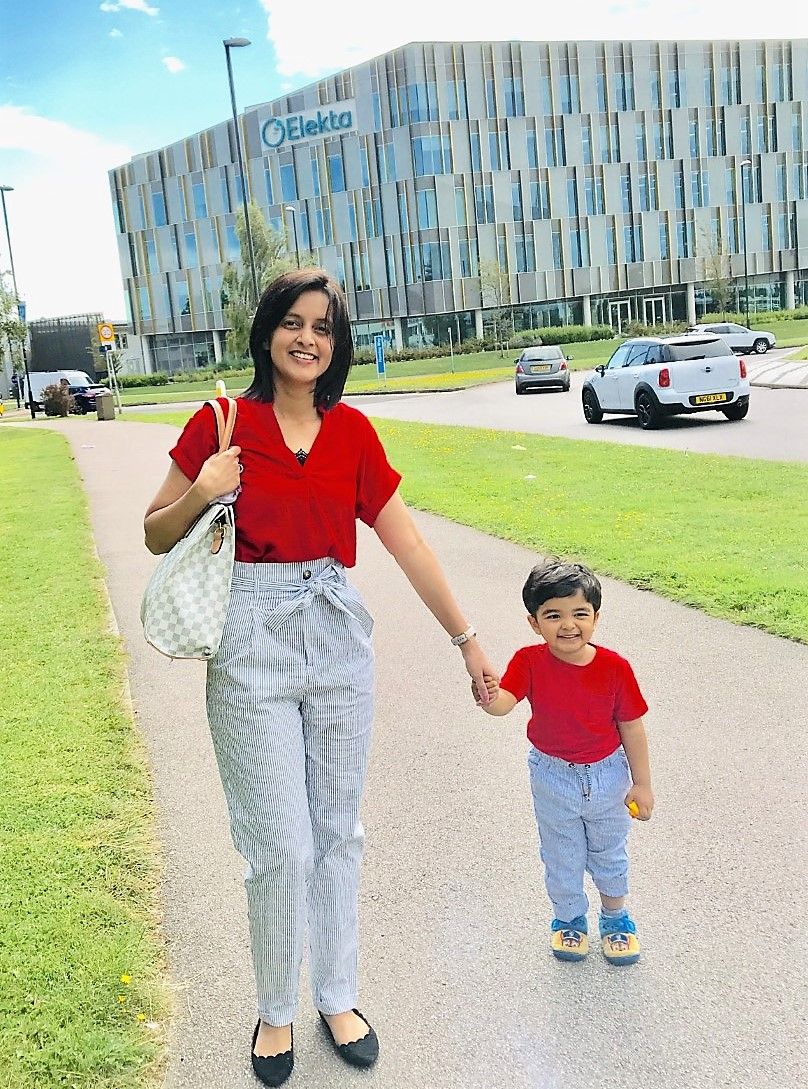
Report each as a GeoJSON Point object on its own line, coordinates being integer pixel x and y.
{"type": "Point", "coordinates": [655, 377]}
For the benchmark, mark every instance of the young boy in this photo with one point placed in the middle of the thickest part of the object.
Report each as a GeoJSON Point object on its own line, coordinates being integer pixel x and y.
{"type": "Point", "coordinates": [589, 756]}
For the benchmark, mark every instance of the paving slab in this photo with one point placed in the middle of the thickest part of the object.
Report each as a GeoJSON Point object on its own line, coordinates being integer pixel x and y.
{"type": "Point", "coordinates": [456, 975]}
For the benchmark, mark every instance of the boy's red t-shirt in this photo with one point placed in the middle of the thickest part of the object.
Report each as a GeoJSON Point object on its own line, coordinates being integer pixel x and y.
{"type": "Point", "coordinates": [575, 709]}
{"type": "Point", "coordinates": [288, 512]}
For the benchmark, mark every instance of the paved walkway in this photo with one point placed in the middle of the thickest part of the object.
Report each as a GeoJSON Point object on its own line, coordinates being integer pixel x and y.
{"type": "Point", "coordinates": [778, 373]}
{"type": "Point", "coordinates": [456, 975]}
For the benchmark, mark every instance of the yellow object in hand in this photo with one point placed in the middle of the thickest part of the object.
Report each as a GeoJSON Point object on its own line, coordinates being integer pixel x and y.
{"type": "Point", "coordinates": [633, 809]}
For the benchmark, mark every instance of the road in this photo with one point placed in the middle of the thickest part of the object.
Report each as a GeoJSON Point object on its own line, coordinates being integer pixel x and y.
{"type": "Point", "coordinates": [776, 428]}
{"type": "Point", "coordinates": [455, 969]}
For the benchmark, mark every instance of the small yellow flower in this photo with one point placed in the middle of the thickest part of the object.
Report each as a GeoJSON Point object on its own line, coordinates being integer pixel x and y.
{"type": "Point", "coordinates": [126, 979]}
{"type": "Point", "coordinates": [141, 1017]}
{"type": "Point", "coordinates": [122, 999]}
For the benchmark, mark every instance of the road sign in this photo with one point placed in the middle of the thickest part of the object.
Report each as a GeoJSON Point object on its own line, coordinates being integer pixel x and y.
{"type": "Point", "coordinates": [106, 334]}
{"type": "Point", "coordinates": [378, 343]}
{"type": "Point", "coordinates": [21, 310]}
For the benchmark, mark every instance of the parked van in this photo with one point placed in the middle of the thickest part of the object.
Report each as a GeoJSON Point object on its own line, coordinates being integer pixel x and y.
{"type": "Point", "coordinates": [82, 388]}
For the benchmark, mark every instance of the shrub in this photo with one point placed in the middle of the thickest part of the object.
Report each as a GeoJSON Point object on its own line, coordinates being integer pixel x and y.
{"type": "Point", "coordinates": [57, 400]}
{"type": "Point", "coordinates": [671, 328]}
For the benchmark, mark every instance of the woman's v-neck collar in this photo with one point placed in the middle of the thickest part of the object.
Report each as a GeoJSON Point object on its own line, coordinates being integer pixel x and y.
{"type": "Point", "coordinates": [290, 453]}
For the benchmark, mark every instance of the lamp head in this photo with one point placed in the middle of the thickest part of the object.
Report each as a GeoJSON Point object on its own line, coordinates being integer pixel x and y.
{"type": "Point", "coordinates": [6, 188]}
{"type": "Point", "coordinates": [235, 43]}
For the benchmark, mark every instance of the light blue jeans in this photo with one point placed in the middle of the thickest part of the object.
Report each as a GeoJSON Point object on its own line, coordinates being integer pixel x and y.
{"type": "Point", "coordinates": [583, 827]}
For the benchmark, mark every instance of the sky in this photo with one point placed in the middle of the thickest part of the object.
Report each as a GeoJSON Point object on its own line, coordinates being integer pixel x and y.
{"type": "Point", "coordinates": [87, 84]}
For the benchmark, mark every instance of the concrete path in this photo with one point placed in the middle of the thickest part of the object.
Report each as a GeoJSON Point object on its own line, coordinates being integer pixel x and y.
{"type": "Point", "coordinates": [778, 371]}
{"type": "Point", "coordinates": [455, 969]}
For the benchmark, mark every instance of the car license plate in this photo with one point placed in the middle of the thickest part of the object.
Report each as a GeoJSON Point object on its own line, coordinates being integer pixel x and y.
{"type": "Point", "coordinates": [711, 399]}
{"type": "Point", "coordinates": [542, 368]}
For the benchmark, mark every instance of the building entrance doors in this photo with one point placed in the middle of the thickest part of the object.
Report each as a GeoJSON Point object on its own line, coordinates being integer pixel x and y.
{"type": "Point", "coordinates": [619, 314]}
{"type": "Point", "coordinates": [654, 308]}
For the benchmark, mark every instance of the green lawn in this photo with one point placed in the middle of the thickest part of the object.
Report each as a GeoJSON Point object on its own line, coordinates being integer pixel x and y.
{"type": "Point", "coordinates": [417, 374]}
{"type": "Point", "coordinates": [81, 967]}
{"type": "Point", "coordinates": [694, 527]}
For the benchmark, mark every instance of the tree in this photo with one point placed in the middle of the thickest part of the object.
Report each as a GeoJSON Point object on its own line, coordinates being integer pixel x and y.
{"type": "Point", "coordinates": [495, 295]}
{"type": "Point", "coordinates": [717, 277]}
{"type": "Point", "coordinates": [12, 330]}
{"type": "Point", "coordinates": [272, 259]}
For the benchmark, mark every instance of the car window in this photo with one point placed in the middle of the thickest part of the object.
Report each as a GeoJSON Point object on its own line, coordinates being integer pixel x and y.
{"type": "Point", "coordinates": [736, 329]}
{"type": "Point", "coordinates": [619, 357]}
{"type": "Point", "coordinates": [636, 356]}
{"type": "Point", "coordinates": [551, 352]}
{"type": "Point", "coordinates": [697, 348]}
{"type": "Point", "coordinates": [655, 354]}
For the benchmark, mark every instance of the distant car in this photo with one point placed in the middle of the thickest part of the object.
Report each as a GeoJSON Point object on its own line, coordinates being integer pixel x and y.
{"type": "Point", "coordinates": [84, 398]}
{"type": "Point", "coordinates": [738, 337]}
{"type": "Point", "coordinates": [540, 368]}
{"type": "Point", "coordinates": [655, 377]}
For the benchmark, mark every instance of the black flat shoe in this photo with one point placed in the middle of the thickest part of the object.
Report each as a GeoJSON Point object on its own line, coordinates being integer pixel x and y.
{"type": "Point", "coordinates": [362, 1052]}
{"type": "Point", "coordinates": [273, 1069]}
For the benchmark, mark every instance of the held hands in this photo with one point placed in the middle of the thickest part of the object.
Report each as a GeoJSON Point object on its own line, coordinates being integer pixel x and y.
{"type": "Point", "coordinates": [219, 475]}
{"type": "Point", "coordinates": [643, 798]}
{"type": "Point", "coordinates": [492, 689]}
{"type": "Point", "coordinates": [481, 672]}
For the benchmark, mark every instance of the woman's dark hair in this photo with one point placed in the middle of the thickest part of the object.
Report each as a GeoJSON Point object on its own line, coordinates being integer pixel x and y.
{"type": "Point", "coordinates": [273, 306]}
{"type": "Point", "coordinates": [554, 578]}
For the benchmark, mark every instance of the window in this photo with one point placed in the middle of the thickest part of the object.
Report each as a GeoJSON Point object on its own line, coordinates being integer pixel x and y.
{"type": "Point", "coordinates": [268, 190]}
{"type": "Point", "coordinates": [625, 190]}
{"type": "Point", "coordinates": [191, 259]}
{"type": "Point", "coordinates": [664, 238]}
{"type": "Point", "coordinates": [469, 257]}
{"type": "Point", "coordinates": [145, 304]}
{"type": "Point", "coordinates": [572, 197]}
{"type": "Point", "coordinates": [457, 104]}
{"type": "Point", "coordinates": [648, 191]}
{"type": "Point", "coordinates": [679, 186]}
{"type": "Point", "coordinates": [532, 149]}
{"type": "Point", "coordinates": [620, 357]}
{"type": "Point", "coordinates": [766, 229]}
{"type": "Point", "coordinates": [699, 188]}
{"type": "Point", "coordinates": [159, 209]}
{"type": "Point", "coordinates": [609, 142]}
{"type": "Point", "coordinates": [611, 243]}
{"type": "Point", "coordinates": [780, 180]}
{"type": "Point", "coordinates": [227, 204]}
{"type": "Point", "coordinates": [514, 97]}
{"type": "Point", "coordinates": [183, 303]}
{"type": "Point", "coordinates": [364, 166]}
{"type": "Point", "coordinates": [427, 206]}
{"type": "Point", "coordinates": [558, 256]}
{"type": "Point", "coordinates": [633, 242]}
{"type": "Point", "coordinates": [579, 247]}
{"type": "Point", "coordinates": [640, 141]}
{"type": "Point", "coordinates": [540, 199]}
{"type": "Point", "coordinates": [232, 248]}
{"type": "Point", "coordinates": [674, 86]}
{"type": "Point", "coordinates": [570, 93]}
{"type": "Point", "coordinates": [403, 214]}
{"type": "Point", "coordinates": [656, 88]}
{"type": "Point", "coordinates": [546, 87]}
{"type": "Point", "coordinates": [386, 162]}
{"type": "Point", "coordinates": [322, 225]}
{"type": "Point", "coordinates": [586, 141]}
{"type": "Point", "coordinates": [554, 142]}
{"type": "Point", "coordinates": [288, 182]}
{"type": "Point", "coordinates": [694, 135]}
{"type": "Point", "coordinates": [490, 98]}
{"type": "Point", "coordinates": [498, 150]}
{"type": "Point", "coordinates": [484, 203]}
{"type": "Point", "coordinates": [390, 263]}
{"type": "Point", "coordinates": [200, 204]}
{"type": "Point", "coordinates": [476, 155]}
{"type": "Point", "coordinates": [152, 264]}
{"type": "Point", "coordinates": [525, 253]}
{"type": "Point", "coordinates": [336, 172]}
{"type": "Point", "coordinates": [376, 101]}
{"type": "Point", "coordinates": [796, 127]}
{"type": "Point", "coordinates": [461, 214]}
{"type": "Point", "coordinates": [351, 236]}
{"type": "Point", "coordinates": [593, 193]}
{"type": "Point", "coordinates": [600, 79]}
{"type": "Point", "coordinates": [516, 202]}
{"type": "Point", "coordinates": [431, 155]}
{"type": "Point", "coordinates": [746, 134]}
{"type": "Point", "coordinates": [419, 102]}
{"type": "Point", "coordinates": [684, 237]}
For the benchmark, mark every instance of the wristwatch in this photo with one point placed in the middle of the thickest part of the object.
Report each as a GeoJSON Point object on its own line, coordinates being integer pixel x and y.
{"type": "Point", "coordinates": [459, 640]}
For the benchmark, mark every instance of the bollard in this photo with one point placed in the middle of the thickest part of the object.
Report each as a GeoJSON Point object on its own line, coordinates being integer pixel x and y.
{"type": "Point", "coordinates": [105, 405]}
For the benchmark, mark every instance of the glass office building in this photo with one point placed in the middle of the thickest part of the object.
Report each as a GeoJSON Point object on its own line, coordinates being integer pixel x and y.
{"type": "Point", "coordinates": [594, 182]}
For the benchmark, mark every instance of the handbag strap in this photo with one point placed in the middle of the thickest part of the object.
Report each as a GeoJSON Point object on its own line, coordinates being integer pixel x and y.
{"type": "Point", "coordinates": [224, 429]}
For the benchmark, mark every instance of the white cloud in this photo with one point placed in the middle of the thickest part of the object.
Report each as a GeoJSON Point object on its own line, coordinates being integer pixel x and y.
{"type": "Point", "coordinates": [115, 33]}
{"type": "Point", "coordinates": [358, 32]}
{"type": "Point", "coordinates": [60, 215]}
{"type": "Point", "coordinates": [173, 64]}
{"type": "Point", "coordinates": [133, 5]}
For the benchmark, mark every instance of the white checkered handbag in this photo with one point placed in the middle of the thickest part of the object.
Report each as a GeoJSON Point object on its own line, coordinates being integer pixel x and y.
{"type": "Point", "coordinates": [185, 602]}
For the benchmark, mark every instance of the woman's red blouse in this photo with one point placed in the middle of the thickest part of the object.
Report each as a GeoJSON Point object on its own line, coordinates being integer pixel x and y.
{"type": "Point", "coordinates": [288, 512]}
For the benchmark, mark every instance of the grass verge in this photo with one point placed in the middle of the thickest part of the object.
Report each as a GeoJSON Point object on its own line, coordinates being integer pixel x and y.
{"type": "Point", "coordinates": [81, 998]}
{"type": "Point", "coordinates": [696, 528]}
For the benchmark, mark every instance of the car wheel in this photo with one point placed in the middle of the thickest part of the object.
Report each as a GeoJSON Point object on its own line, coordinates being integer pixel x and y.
{"type": "Point", "coordinates": [647, 411]}
{"type": "Point", "coordinates": [79, 408]}
{"type": "Point", "coordinates": [519, 391]}
{"type": "Point", "coordinates": [566, 388]}
{"type": "Point", "coordinates": [593, 413]}
{"type": "Point", "coordinates": [760, 346]}
{"type": "Point", "coordinates": [736, 411]}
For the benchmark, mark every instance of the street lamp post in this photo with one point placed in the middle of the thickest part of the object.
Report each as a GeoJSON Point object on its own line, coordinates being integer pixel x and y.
{"type": "Point", "coordinates": [3, 190]}
{"type": "Point", "coordinates": [238, 43]}
{"type": "Point", "coordinates": [289, 208]}
{"type": "Point", "coordinates": [745, 162]}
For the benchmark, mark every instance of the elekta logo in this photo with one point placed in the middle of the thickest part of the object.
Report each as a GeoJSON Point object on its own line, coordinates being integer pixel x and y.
{"type": "Point", "coordinates": [281, 130]}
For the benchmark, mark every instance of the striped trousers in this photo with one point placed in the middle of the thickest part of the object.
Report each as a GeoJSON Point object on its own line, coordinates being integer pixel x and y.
{"type": "Point", "coordinates": [290, 706]}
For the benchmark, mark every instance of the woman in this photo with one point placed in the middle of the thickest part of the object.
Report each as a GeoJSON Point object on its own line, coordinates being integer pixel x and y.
{"type": "Point", "coordinates": [289, 693]}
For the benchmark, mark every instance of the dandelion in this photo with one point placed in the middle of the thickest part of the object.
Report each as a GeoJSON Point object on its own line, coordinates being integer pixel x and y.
{"type": "Point", "coordinates": [126, 979]}
{"type": "Point", "coordinates": [122, 999]}
{"type": "Point", "coordinates": [141, 1017]}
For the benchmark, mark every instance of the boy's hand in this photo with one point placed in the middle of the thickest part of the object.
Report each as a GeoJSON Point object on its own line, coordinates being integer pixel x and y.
{"type": "Point", "coordinates": [492, 687]}
{"type": "Point", "coordinates": [643, 797]}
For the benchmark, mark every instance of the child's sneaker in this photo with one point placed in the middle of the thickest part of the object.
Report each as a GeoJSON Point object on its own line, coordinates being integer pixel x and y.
{"type": "Point", "coordinates": [619, 940]}
{"type": "Point", "coordinates": [568, 941]}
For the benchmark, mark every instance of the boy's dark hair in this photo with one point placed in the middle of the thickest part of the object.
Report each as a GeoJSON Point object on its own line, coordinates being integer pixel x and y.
{"type": "Point", "coordinates": [554, 578]}
{"type": "Point", "coordinates": [275, 303]}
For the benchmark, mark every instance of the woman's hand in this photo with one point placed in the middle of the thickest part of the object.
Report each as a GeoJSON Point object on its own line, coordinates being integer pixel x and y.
{"type": "Point", "coordinates": [219, 475]}
{"type": "Point", "coordinates": [479, 669]}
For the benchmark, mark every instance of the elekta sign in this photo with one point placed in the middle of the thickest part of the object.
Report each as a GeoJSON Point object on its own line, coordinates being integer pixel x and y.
{"type": "Point", "coordinates": [278, 131]}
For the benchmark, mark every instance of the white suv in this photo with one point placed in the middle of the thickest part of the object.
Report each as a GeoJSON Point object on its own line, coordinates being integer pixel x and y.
{"type": "Point", "coordinates": [738, 337]}
{"type": "Point", "coordinates": [654, 377]}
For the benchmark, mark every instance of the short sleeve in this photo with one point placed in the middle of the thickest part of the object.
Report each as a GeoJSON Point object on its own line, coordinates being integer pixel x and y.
{"type": "Point", "coordinates": [196, 443]}
{"type": "Point", "coordinates": [516, 678]}
{"type": "Point", "coordinates": [377, 479]}
{"type": "Point", "coordinates": [630, 702]}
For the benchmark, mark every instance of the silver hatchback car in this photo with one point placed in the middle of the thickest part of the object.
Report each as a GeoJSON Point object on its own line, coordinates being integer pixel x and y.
{"type": "Point", "coordinates": [541, 368]}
